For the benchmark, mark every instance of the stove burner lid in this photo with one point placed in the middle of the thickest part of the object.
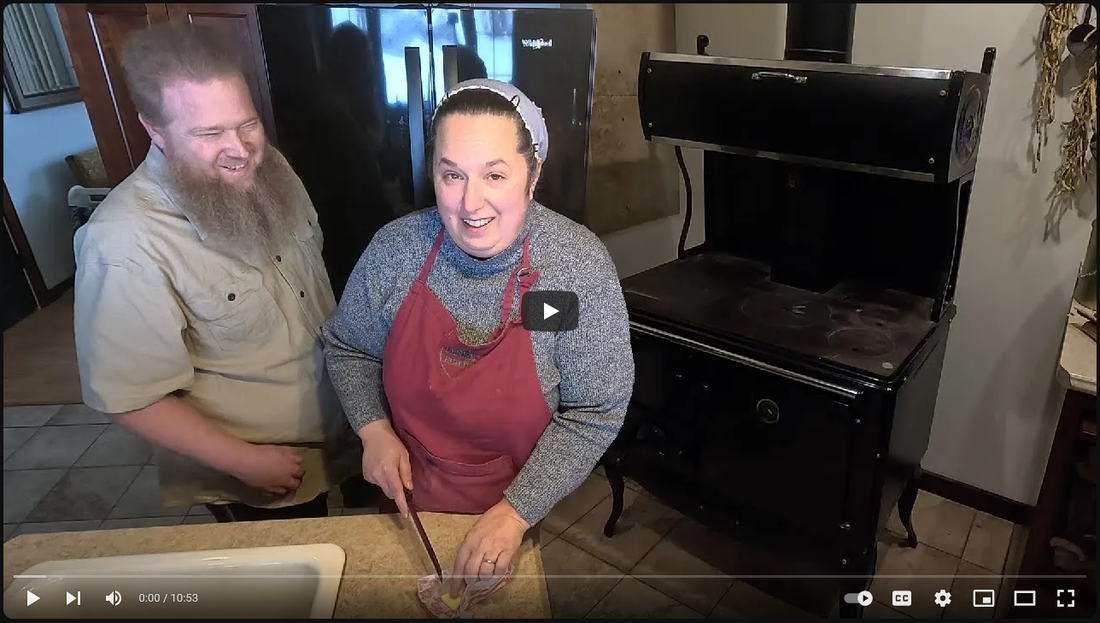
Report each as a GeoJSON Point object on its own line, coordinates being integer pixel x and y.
{"type": "Point", "coordinates": [778, 310]}
{"type": "Point", "coordinates": [878, 316]}
{"type": "Point", "coordinates": [861, 342]}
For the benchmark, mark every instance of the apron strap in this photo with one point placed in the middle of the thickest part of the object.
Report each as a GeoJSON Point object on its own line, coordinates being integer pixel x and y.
{"type": "Point", "coordinates": [427, 267]}
{"type": "Point", "coordinates": [527, 279]}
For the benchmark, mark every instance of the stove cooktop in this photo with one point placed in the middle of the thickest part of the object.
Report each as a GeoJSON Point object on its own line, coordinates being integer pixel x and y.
{"type": "Point", "coordinates": [873, 332]}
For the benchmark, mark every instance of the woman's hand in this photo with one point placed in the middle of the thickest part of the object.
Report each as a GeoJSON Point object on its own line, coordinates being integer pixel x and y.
{"type": "Point", "coordinates": [386, 462]}
{"type": "Point", "coordinates": [489, 546]}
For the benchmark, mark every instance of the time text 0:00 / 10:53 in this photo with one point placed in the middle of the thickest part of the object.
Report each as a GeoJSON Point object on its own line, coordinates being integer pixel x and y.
{"type": "Point", "coordinates": [168, 598]}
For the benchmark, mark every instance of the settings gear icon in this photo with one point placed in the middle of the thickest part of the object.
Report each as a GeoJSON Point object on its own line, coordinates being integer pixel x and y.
{"type": "Point", "coordinates": [943, 598]}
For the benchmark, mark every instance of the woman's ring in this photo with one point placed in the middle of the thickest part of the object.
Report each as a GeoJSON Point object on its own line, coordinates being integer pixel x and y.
{"type": "Point", "coordinates": [488, 562]}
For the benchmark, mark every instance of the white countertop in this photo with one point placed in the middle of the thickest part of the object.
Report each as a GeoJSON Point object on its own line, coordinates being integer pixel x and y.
{"type": "Point", "coordinates": [1077, 366]}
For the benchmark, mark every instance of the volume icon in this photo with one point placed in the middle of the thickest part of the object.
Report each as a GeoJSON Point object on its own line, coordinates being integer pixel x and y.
{"type": "Point", "coordinates": [114, 598]}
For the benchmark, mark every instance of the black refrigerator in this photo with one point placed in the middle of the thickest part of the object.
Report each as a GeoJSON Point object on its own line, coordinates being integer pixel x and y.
{"type": "Point", "coordinates": [353, 89]}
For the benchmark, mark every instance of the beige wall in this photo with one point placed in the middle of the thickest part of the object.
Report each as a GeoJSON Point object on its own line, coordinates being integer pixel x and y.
{"type": "Point", "coordinates": [998, 400]}
{"type": "Point", "coordinates": [630, 180]}
{"type": "Point", "coordinates": [748, 30]}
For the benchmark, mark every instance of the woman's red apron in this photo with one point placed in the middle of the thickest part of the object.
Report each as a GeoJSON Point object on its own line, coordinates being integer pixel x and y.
{"type": "Point", "coordinates": [469, 416]}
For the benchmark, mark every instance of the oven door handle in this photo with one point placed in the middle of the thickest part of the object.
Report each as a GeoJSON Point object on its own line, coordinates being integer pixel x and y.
{"type": "Point", "coordinates": [847, 392]}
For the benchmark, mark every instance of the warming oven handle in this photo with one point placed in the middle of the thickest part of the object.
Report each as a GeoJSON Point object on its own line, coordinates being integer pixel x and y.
{"type": "Point", "coordinates": [847, 392]}
{"type": "Point", "coordinates": [778, 75]}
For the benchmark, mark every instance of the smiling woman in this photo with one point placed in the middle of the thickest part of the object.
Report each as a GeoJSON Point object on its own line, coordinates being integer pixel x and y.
{"type": "Point", "coordinates": [38, 72]}
{"type": "Point", "coordinates": [462, 405]}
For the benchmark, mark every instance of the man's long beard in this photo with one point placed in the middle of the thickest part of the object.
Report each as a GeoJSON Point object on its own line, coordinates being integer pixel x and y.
{"type": "Point", "coordinates": [251, 225]}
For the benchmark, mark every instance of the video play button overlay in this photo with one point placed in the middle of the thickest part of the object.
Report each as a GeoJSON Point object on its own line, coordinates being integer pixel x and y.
{"type": "Point", "coordinates": [31, 598]}
{"type": "Point", "coordinates": [550, 310]}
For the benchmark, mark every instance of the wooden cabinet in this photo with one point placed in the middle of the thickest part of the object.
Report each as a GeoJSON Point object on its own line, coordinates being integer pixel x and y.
{"type": "Point", "coordinates": [1060, 553]}
{"type": "Point", "coordinates": [1059, 558]}
{"type": "Point", "coordinates": [95, 34]}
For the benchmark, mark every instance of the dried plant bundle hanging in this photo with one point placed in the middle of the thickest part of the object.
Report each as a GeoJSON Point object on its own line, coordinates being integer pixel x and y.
{"type": "Point", "coordinates": [1058, 20]}
{"type": "Point", "coordinates": [1074, 170]}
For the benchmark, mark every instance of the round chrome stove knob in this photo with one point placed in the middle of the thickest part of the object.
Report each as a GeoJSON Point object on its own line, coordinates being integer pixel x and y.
{"type": "Point", "coordinates": [767, 410]}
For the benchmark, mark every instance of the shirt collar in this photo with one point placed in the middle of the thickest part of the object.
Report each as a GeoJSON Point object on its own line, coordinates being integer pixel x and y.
{"type": "Point", "coordinates": [156, 165]}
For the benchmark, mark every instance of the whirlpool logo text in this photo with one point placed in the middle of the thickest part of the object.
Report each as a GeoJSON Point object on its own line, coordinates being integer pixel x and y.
{"type": "Point", "coordinates": [538, 44]}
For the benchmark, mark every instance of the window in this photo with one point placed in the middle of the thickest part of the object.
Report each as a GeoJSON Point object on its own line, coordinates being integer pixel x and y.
{"type": "Point", "coordinates": [339, 15]}
{"type": "Point", "coordinates": [494, 43]}
{"type": "Point", "coordinates": [402, 28]}
{"type": "Point", "coordinates": [484, 39]}
{"type": "Point", "coordinates": [38, 72]}
{"type": "Point", "coordinates": [399, 28]}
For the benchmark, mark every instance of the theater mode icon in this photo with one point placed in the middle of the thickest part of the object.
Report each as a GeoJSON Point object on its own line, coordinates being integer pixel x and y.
{"type": "Point", "coordinates": [1024, 598]}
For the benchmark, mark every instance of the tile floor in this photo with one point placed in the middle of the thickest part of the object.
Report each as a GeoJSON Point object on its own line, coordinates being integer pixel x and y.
{"type": "Point", "coordinates": [67, 468]}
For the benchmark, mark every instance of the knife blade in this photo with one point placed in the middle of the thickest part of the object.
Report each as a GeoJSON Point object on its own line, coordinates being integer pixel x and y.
{"type": "Point", "coordinates": [424, 539]}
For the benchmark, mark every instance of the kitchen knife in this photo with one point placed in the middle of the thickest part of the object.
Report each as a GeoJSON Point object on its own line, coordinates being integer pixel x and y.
{"type": "Point", "coordinates": [424, 538]}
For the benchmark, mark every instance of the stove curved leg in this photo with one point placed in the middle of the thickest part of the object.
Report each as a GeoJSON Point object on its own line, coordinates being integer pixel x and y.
{"type": "Point", "coordinates": [614, 473]}
{"type": "Point", "coordinates": [905, 506]}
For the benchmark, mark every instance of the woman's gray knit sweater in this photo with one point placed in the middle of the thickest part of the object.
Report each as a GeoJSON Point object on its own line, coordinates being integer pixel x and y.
{"type": "Point", "coordinates": [587, 375]}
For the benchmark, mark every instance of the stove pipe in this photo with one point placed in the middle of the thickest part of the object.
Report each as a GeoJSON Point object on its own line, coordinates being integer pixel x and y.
{"type": "Point", "coordinates": [820, 32]}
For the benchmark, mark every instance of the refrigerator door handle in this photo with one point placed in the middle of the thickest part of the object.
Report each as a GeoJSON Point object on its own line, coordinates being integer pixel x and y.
{"type": "Point", "coordinates": [573, 110]}
{"type": "Point", "coordinates": [450, 67]}
{"type": "Point", "coordinates": [416, 123]}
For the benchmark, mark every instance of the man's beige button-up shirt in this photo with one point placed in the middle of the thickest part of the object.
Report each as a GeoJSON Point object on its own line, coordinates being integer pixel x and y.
{"type": "Point", "coordinates": [159, 312]}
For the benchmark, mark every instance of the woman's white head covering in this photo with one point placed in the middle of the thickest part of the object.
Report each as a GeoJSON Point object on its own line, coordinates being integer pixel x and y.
{"type": "Point", "coordinates": [528, 111]}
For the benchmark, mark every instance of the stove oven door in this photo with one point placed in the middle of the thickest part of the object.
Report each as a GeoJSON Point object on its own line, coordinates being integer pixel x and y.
{"type": "Point", "coordinates": [778, 445]}
{"type": "Point", "coordinates": [750, 435]}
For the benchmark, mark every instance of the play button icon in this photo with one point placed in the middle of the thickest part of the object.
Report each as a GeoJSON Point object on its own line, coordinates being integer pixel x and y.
{"type": "Point", "coordinates": [31, 598]}
{"type": "Point", "coordinates": [550, 310]}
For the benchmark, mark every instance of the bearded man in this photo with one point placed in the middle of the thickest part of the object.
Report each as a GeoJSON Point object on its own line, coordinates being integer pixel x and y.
{"type": "Point", "coordinates": [201, 292]}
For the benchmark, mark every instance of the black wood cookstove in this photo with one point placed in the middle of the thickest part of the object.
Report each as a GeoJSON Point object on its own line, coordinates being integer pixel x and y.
{"type": "Point", "coordinates": [788, 367]}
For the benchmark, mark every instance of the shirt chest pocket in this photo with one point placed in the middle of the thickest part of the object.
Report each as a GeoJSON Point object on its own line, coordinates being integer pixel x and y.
{"type": "Point", "coordinates": [308, 242]}
{"type": "Point", "coordinates": [308, 238]}
{"type": "Point", "coordinates": [232, 316]}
